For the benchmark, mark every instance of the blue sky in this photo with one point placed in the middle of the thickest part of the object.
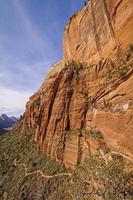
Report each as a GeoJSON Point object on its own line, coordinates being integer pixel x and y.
{"type": "Point", "coordinates": [31, 34]}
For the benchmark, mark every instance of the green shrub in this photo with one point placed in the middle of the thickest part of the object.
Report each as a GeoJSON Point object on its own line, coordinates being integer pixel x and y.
{"type": "Point", "coordinates": [123, 70]}
{"type": "Point", "coordinates": [105, 149]}
{"type": "Point", "coordinates": [108, 105]}
{"type": "Point", "coordinates": [117, 157]}
{"type": "Point", "coordinates": [122, 73]}
{"type": "Point", "coordinates": [69, 133]}
{"type": "Point", "coordinates": [131, 47]}
{"type": "Point", "coordinates": [95, 134]}
{"type": "Point", "coordinates": [79, 131]}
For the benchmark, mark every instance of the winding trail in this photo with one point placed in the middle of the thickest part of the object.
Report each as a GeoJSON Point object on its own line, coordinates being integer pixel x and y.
{"type": "Point", "coordinates": [39, 171]}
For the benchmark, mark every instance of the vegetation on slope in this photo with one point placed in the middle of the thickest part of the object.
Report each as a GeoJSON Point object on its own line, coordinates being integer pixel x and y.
{"type": "Point", "coordinates": [95, 179]}
{"type": "Point", "coordinates": [14, 182]}
{"type": "Point", "coordinates": [2, 131]}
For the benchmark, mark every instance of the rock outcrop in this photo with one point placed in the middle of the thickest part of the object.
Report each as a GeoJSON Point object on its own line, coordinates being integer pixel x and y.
{"type": "Point", "coordinates": [85, 105]}
{"type": "Point", "coordinates": [102, 29]}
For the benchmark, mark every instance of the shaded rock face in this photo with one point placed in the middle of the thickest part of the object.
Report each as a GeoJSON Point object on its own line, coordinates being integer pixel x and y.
{"type": "Point", "coordinates": [102, 29]}
{"type": "Point", "coordinates": [83, 109]}
{"type": "Point", "coordinates": [76, 102]}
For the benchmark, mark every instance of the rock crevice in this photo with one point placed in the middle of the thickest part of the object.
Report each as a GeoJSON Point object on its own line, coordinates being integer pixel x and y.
{"type": "Point", "coordinates": [94, 78]}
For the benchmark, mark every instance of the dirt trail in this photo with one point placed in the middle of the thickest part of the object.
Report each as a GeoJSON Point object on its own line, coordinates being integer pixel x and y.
{"type": "Point", "coordinates": [39, 171]}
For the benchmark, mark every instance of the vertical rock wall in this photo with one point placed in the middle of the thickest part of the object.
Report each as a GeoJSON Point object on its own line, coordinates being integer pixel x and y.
{"type": "Point", "coordinates": [85, 105]}
{"type": "Point", "coordinates": [102, 29]}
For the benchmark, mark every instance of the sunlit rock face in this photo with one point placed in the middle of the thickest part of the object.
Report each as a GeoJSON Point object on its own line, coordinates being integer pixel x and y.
{"type": "Point", "coordinates": [85, 105]}
{"type": "Point", "coordinates": [102, 29]}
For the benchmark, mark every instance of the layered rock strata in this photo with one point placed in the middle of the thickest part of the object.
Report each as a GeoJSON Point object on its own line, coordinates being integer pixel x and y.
{"type": "Point", "coordinates": [85, 105]}
{"type": "Point", "coordinates": [102, 29]}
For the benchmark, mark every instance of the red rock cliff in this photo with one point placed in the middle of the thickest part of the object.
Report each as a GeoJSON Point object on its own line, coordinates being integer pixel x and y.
{"type": "Point", "coordinates": [102, 29]}
{"type": "Point", "coordinates": [85, 105]}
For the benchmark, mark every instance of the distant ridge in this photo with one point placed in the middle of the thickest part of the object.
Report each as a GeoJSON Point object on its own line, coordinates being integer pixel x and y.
{"type": "Point", "coordinates": [6, 122]}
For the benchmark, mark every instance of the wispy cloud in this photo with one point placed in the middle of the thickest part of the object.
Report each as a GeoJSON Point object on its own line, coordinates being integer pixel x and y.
{"type": "Point", "coordinates": [24, 61]}
{"type": "Point", "coordinates": [40, 40]}
{"type": "Point", "coordinates": [31, 29]}
{"type": "Point", "coordinates": [30, 41]}
{"type": "Point", "coordinates": [13, 102]}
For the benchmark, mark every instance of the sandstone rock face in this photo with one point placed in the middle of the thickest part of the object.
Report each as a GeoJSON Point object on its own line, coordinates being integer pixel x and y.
{"type": "Point", "coordinates": [79, 110]}
{"type": "Point", "coordinates": [83, 109]}
{"type": "Point", "coordinates": [102, 29]}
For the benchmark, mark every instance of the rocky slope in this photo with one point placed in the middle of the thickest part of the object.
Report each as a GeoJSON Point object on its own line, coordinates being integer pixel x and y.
{"type": "Point", "coordinates": [26, 174]}
{"type": "Point", "coordinates": [85, 105]}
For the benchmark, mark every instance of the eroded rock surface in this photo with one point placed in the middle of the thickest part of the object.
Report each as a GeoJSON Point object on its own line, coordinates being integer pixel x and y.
{"type": "Point", "coordinates": [85, 105]}
{"type": "Point", "coordinates": [102, 29]}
